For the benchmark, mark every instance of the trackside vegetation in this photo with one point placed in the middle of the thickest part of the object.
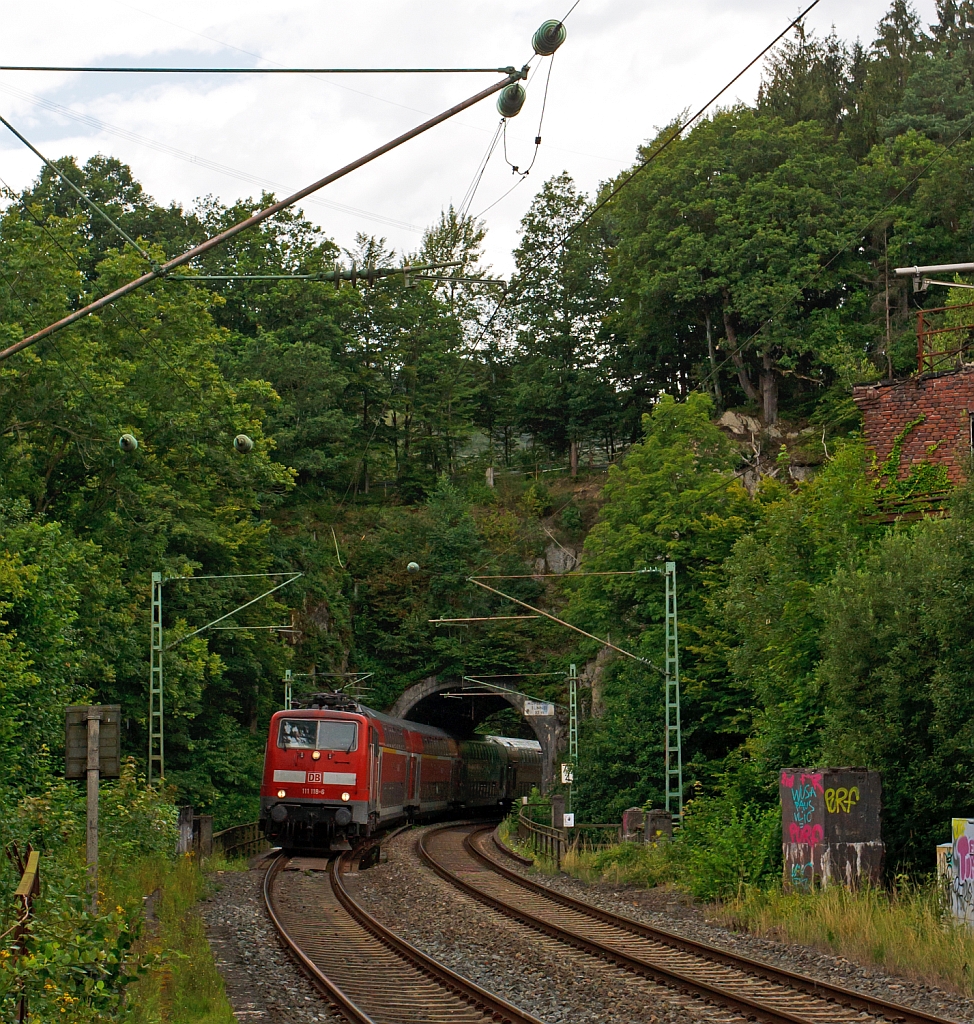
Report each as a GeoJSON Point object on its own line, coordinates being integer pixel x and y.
{"type": "Point", "coordinates": [746, 271]}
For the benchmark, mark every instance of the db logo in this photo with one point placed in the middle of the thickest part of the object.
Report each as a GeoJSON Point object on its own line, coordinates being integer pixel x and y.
{"type": "Point", "coordinates": [314, 776]}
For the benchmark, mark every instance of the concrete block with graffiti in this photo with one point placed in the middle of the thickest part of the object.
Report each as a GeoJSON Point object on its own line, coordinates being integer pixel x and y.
{"type": "Point", "coordinates": [831, 829]}
{"type": "Point", "coordinates": [955, 866]}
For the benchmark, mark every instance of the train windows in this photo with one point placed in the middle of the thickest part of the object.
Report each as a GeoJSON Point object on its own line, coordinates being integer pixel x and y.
{"type": "Point", "coordinates": [297, 733]}
{"type": "Point", "coordinates": [334, 735]}
{"type": "Point", "coordinates": [309, 734]}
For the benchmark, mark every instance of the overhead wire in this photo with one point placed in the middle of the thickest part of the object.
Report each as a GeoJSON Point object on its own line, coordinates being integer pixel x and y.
{"type": "Point", "coordinates": [194, 393]}
{"type": "Point", "coordinates": [502, 128]}
{"type": "Point", "coordinates": [256, 218]}
{"type": "Point", "coordinates": [196, 159]}
{"type": "Point", "coordinates": [627, 179]}
{"type": "Point", "coordinates": [67, 181]}
{"type": "Point", "coordinates": [258, 71]}
{"type": "Point", "coordinates": [537, 135]}
{"type": "Point", "coordinates": [469, 195]}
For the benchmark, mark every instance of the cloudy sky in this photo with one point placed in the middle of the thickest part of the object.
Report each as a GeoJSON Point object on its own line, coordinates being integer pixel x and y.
{"type": "Point", "coordinates": [627, 67]}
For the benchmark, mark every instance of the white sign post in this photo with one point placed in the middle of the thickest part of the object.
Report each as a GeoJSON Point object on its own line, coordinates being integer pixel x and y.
{"type": "Point", "coordinates": [569, 820]}
{"type": "Point", "coordinates": [567, 774]}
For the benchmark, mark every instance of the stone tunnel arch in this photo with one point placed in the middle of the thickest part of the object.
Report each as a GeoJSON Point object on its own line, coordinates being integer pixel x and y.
{"type": "Point", "coordinates": [424, 702]}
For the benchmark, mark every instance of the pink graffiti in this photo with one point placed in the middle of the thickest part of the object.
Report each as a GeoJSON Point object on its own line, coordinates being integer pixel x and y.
{"type": "Point", "coordinates": [788, 780]}
{"type": "Point", "coordinates": [815, 780]}
{"type": "Point", "coordinates": [965, 859]}
{"type": "Point", "coordinates": [806, 833]}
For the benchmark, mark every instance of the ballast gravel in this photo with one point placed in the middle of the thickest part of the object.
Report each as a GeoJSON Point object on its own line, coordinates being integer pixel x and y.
{"type": "Point", "coordinates": [541, 975]}
{"type": "Point", "coordinates": [262, 983]}
{"type": "Point", "coordinates": [674, 912]}
{"type": "Point", "coordinates": [534, 972]}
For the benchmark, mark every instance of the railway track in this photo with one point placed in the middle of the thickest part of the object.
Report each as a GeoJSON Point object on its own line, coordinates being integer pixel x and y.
{"type": "Point", "coordinates": [372, 975]}
{"type": "Point", "coordinates": [755, 990]}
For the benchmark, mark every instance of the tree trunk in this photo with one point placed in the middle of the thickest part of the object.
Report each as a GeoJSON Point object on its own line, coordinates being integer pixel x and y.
{"type": "Point", "coordinates": [714, 372]}
{"type": "Point", "coordinates": [769, 390]}
{"type": "Point", "coordinates": [738, 360]}
{"type": "Point", "coordinates": [573, 458]}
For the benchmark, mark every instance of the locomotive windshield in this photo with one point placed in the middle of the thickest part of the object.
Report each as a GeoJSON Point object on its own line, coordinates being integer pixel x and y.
{"type": "Point", "coordinates": [308, 734]}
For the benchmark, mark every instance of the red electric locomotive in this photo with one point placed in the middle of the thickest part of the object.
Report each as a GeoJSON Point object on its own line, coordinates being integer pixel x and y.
{"type": "Point", "coordinates": [337, 770]}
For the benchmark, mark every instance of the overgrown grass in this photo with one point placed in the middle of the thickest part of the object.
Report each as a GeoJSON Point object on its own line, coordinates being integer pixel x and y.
{"type": "Point", "coordinates": [906, 931]}
{"type": "Point", "coordinates": [643, 866]}
{"type": "Point", "coordinates": [186, 987]}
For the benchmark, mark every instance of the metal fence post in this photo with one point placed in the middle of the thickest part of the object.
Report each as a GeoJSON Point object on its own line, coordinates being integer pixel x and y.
{"type": "Point", "coordinates": [156, 752]}
{"type": "Point", "coordinates": [673, 740]}
{"type": "Point", "coordinates": [572, 730]}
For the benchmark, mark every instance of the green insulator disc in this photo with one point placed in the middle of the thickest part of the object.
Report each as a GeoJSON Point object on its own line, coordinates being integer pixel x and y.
{"type": "Point", "coordinates": [548, 38]}
{"type": "Point", "coordinates": [511, 99]}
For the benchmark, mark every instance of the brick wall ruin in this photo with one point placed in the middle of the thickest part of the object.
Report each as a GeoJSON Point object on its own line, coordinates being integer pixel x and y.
{"type": "Point", "coordinates": [946, 402]}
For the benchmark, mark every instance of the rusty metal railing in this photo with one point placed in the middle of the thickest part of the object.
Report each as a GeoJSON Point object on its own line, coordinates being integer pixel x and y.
{"type": "Point", "coordinates": [941, 346]}
{"type": "Point", "coordinates": [597, 836]}
{"type": "Point", "coordinates": [28, 864]}
{"type": "Point", "coordinates": [244, 840]}
{"type": "Point", "coordinates": [546, 841]}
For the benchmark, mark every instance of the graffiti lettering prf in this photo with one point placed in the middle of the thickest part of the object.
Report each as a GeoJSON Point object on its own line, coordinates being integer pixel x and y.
{"type": "Point", "coordinates": [841, 800]}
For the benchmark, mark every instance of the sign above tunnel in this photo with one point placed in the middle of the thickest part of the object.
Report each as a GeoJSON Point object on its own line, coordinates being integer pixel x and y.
{"type": "Point", "coordinates": [538, 709]}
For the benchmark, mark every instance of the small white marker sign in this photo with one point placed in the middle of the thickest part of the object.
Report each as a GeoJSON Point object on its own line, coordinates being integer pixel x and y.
{"type": "Point", "coordinates": [567, 774]}
{"type": "Point", "coordinates": [569, 820]}
{"type": "Point", "coordinates": [538, 709]}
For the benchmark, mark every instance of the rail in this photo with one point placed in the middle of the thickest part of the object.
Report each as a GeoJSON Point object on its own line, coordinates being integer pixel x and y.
{"type": "Point", "coordinates": [245, 840]}
{"type": "Point", "coordinates": [28, 864]}
{"type": "Point", "coordinates": [751, 988]}
{"type": "Point", "coordinates": [341, 948]}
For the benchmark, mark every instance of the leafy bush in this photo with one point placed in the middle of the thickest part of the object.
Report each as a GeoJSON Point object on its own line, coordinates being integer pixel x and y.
{"type": "Point", "coordinates": [76, 963]}
{"type": "Point", "coordinates": [571, 519]}
{"type": "Point", "coordinates": [724, 847]}
{"type": "Point", "coordinates": [634, 864]}
{"type": "Point", "coordinates": [536, 500]}
{"type": "Point", "coordinates": [134, 820]}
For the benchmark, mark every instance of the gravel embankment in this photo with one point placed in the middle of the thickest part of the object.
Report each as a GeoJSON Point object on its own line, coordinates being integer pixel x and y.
{"type": "Point", "coordinates": [541, 975]}
{"type": "Point", "coordinates": [536, 973]}
{"type": "Point", "coordinates": [262, 983]}
{"type": "Point", "coordinates": [664, 908]}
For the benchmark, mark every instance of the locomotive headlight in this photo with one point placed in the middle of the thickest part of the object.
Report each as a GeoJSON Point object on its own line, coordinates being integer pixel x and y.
{"type": "Point", "coordinates": [281, 794]}
{"type": "Point", "coordinates": [346, 797]}
{"type": "Point", "coordinates": [316, 755]}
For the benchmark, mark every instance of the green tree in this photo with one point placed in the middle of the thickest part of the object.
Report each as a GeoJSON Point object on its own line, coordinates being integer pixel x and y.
{"type": "Point", "coordinates": [558, 304]}
{"type": "Point", "coordinates": [897, 658]}
{"type": "Point", "coordinates": [742, 225]}
{"type": "Point", "coordinates": [674, 498]}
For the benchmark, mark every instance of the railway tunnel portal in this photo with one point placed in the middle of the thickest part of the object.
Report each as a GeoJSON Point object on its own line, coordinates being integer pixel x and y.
{"type": "Point", "coordinates": [461, 706]}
